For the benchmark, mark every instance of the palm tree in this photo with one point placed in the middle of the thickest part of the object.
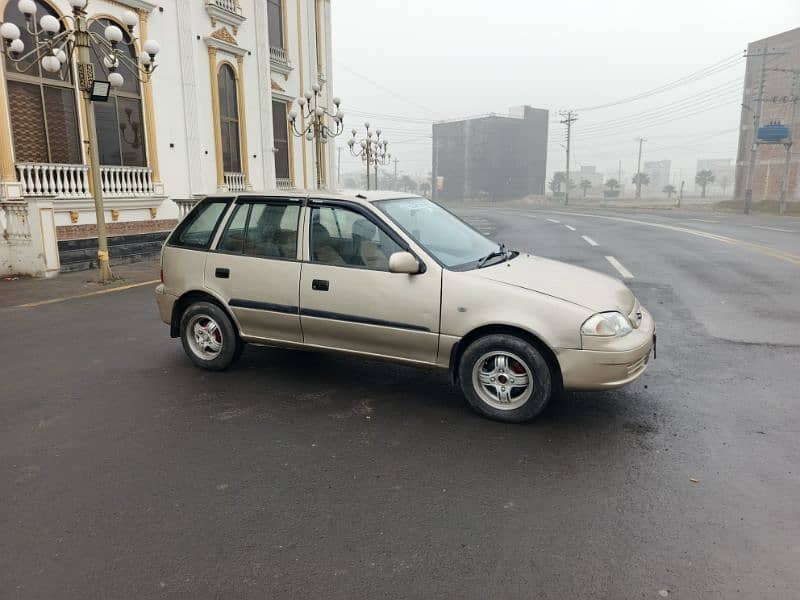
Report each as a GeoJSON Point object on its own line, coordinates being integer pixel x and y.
{"type": "Point", "coordinates": [612, 184]}
{"type": "Point", "coordinates": [703, 178]}
{"type": "Point", "coordinates": [669, 189]}
{"type": "Point", "coordinates": [585, 185]}
{"type": "Point", "coordinates": [425, 188]}
{"type": "Point", "coordinates": [641, 179]}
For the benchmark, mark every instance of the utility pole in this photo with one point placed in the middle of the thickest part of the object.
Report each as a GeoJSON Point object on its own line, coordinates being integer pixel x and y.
{"type": "Point", "coordinates": [394, 181]}
{"type": "Point", "coordinates": [570, 116]}
{"type": "Point", "coordinates": [339, 167]}
{"type": "Point", "coordinates": [641, 140]}
{"type": "Point", "coordinates": [748, 194]}
{"type": "Point", "coordinates": [789, 143]}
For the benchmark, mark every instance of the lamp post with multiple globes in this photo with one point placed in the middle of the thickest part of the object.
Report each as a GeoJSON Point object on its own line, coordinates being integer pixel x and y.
{"type": "Point", "coordinates": [372, 150]}
{"type": "Point", "coordinates": [56, 43]}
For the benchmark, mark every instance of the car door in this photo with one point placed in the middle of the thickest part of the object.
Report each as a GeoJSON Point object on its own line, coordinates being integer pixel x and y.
{"type": "Point", "coordinates": [348, 298]}
{"type": "Point", "coordinates": [254, 267]}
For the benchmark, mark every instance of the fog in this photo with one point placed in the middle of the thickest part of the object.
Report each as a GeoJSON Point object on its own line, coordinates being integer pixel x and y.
{"type": "Point", "coordinates": [401, 65]}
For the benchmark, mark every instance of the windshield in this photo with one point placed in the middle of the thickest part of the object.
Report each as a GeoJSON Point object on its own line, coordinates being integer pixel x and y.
{"type": "Point", "coordinates": [451, 241]}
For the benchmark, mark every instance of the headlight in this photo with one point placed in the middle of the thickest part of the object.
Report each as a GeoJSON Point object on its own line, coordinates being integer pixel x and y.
{"type": "Point", "coordinates": [606, 324]}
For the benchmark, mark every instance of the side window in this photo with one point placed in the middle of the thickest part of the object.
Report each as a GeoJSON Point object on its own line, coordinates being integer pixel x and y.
{"type": "Point", "coordinates": [233, 238]}
{"type": "Point", "coordinates": [340, 236]}
{"type": "Point", "coordinates": [272, 231]}
{"type": "Point", "coordinates": [197, 229]}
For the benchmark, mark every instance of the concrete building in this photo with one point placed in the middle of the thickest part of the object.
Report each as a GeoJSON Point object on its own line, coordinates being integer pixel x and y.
{"type": "Point", "coordinates": [724, 174]}
{"type": "Point", "coordinates": [491, 157]}
{"type": "Point", "coordinates": [658, 172]}
{"type": "Point", "coordinates": [213, 118]}
{"type": "Point", "coordinates": [781, 91]}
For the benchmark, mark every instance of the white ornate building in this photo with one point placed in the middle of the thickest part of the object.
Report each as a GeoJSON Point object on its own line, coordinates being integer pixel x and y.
{"type": "Point", "coordinates": [213, 118]}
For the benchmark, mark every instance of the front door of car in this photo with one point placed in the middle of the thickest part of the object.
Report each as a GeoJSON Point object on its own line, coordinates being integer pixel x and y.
{"type": "Point", "coordinates": [254, 267]}
{"type": "Point", "coordinates": [348, 298]}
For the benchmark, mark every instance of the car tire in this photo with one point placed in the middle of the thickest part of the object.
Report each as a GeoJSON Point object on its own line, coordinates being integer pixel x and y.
{"type": "Point", "coordinates": [209, 337]}
{"type": "Point", "coordinates": [505, 378]}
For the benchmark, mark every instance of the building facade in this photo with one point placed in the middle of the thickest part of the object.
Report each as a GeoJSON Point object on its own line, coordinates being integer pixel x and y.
{"type": "Point", "coordinates": [658, 173]}
{"type": "Point", "coordinates": [492, 157]}
{"type": "Point", "coordinates": [213, 118]}
{"type": "Point", "coordinates": [780, 99]}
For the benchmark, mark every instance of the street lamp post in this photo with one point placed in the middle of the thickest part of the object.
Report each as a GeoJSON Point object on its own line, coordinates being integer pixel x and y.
{"type": "Point", "coordinates": [371, 149]}
{"type": "Point", "coordinates": [55, 48]}
{"type": "Point", "coordinates": [317, 129]}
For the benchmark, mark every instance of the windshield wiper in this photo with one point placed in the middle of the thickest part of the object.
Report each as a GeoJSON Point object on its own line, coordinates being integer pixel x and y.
{"type": "Point", "coordinates": [501, 251]}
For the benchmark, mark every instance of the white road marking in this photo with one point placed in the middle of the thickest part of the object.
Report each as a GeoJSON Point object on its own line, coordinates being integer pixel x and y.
{"type": "Point", "coordinates": [704, 220]}
{"type": "Point", "coordinates": [570, 227]}
{"type": "Point", "coordinates": [775, 229]}
{"type": "Point", "coordinates": [589, 240]}
{"type": "Point", "coordinates": [618, 266]}
{"type": "Point", "coordinates": [553, 221]}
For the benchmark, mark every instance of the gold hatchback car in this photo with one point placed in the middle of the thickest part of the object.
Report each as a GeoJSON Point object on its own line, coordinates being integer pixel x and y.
{"type": "Point", "coordinates": [395, 277]}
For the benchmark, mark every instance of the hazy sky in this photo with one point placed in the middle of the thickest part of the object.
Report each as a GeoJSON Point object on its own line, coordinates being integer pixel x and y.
{"type": "Point", "coordinates": [402, 64]}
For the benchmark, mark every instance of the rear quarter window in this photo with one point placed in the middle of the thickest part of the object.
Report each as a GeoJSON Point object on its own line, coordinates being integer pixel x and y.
{"type": "Point", "coordinates": [197, 229]}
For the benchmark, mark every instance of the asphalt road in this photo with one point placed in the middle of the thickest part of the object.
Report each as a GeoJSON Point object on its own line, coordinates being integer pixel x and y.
{"type": "Point", "coordinates": [127, 473]}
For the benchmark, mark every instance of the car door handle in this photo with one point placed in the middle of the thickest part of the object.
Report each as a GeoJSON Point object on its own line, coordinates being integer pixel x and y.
{"type": "Point", "coordinates": [222, 273]}
{"type": "Point", "coordinates": [321, 285]}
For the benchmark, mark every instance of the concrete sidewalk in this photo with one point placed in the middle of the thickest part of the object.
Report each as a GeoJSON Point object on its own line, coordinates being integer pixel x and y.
{"type": "Point", "coordinates": [26, 290]}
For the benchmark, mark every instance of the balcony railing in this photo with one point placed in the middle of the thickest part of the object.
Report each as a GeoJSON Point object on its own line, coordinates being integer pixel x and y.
{"type": "Point", "coordinates": [72, 181]}
{"type": "Point", "coordinates": [231, 6]}
{"type": "Point", "coordinates": [14, 226]}
{"type": "Point", "coordinates": [49, 179]}
{"type": "Point", "coordinates": [184, 206]}
{"type": "Point", "coordinates": [234, 181]}
{"type": "Point", "coordinates": [284, 184]}
{"type": "Point", "coordinates": [123, 182]}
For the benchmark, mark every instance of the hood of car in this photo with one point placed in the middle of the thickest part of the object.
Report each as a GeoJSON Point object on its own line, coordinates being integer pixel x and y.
{"type": "Point", "coordinates": [577, 285]}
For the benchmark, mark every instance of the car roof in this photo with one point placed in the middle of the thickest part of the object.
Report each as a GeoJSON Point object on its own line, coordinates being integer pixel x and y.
{"type": "Point", "coordinates": [359, 196]}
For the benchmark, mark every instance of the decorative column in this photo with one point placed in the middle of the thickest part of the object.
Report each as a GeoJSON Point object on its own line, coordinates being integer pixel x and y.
{"type": "Point", "coordinates": [212, 71]}
{"type": "Point", "coordinates": [242, 121]}
{"type": "Point", "coordinates": [149, 115]}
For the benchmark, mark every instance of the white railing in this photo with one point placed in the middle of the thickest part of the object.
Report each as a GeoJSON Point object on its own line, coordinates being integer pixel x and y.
{"type": "Point", "coordinates": [50, 179]}
{"type": "Point", "coordinates": [232, 6]}
{"type": "Point", "coordinates": [14, 222]}
{"type": "Point", "coordinates": [184, 206]}
{"type": "Point", "coordinates": [126, 181]}
{"type": "Point", "coordinates": [284, 184]}
{"type": "Point", "coordinates": [278, 55]}
{"type": "Point", "coordinates": [234, 181]}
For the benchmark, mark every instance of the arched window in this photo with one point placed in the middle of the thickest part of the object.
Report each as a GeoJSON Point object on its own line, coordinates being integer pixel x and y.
{"type": "Point", "coordinates": [229, 119]}
{"type": "Point", "coordinates": [44, 120]}
{"type": "Point", "coordinates": [120, 124]}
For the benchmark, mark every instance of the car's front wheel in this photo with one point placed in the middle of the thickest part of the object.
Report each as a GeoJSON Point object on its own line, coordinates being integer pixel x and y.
{"type": "Point", "coordinates": [505, 378]}
{"type": "Point", "coordinates": [209, 337]}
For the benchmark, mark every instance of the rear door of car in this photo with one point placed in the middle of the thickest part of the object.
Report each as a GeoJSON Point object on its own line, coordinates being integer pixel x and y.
{"type": "Point", "coordinates": [348, 298]}
{"type": "Point", "coordinates": [254, 266]}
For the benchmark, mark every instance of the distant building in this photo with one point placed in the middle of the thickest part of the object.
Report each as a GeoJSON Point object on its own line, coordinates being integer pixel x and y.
{"type": "Point", "coordinates": [658, 172]}
{"type": "Point", "coordinates": [492, 156]}
{"type": "Point", "coordinates": [590, 174]}
{"type": "Point", "coordinates": [777, 106]}
{"type": "Point", "coordinates": [724, 174]}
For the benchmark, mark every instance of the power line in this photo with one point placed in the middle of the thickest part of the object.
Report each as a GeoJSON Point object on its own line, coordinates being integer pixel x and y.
{"type": "Point", "coordinates": [725, 63]}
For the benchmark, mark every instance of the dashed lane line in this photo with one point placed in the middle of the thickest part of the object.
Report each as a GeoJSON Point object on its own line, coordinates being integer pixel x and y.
{"type": "Point", "coordinates": [589, 240]}
{"type": "Point", "coordinates": [619, 267]}
{"type": "Point", "coordinates": [775, 229]}
{"type": "Point", "coordinates": [704, 220]}
{"type": "Point", "coordinates": [553, 221]}
{"type": "Point", "coordinates": [765, 250]}
{"type": "Point", "coordinates": [570, 227]}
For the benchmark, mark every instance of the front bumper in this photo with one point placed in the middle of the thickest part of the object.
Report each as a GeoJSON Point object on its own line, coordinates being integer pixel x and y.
{"type": "Point", "coordinates": [607, 369]}
{"type": "Point", "coordinates": [165, 303]}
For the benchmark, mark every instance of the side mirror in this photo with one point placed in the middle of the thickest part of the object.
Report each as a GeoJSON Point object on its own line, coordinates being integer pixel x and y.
{"type": "Point", "coordinates": [403, 262]}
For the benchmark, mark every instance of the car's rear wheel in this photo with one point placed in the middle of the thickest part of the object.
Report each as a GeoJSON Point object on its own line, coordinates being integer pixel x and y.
{"type": "Point", "coordinates": [209, 337]}
{"type": "Point", "coordinates": [505, 378]}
